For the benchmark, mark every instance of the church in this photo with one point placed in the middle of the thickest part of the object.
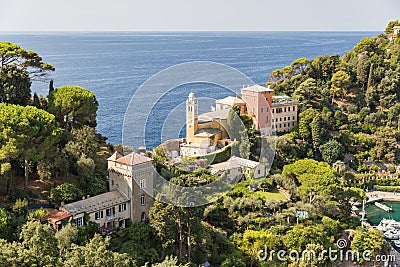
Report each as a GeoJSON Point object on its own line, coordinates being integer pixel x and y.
{"type": "Point", "coordinates": [205, 133]}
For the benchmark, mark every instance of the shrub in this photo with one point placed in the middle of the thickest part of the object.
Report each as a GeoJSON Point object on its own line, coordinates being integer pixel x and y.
{"type": "Point", "coordinates": [65, 192]}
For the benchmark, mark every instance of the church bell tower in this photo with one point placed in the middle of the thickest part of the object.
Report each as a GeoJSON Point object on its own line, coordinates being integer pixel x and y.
{"type": "Point", "coordinates": [191, 117]}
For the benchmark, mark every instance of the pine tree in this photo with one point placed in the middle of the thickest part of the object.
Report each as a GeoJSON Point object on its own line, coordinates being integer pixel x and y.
{"type": "Point", "coordinates": [36, 101]}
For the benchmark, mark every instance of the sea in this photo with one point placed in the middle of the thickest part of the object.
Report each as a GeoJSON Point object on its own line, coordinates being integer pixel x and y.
{"type": "Point", "coordinates": [115, 64]}
{"type": "Point", "coordinates": [375, 214]}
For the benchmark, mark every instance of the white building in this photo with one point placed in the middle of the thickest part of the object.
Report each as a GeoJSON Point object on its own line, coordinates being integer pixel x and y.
{"type": "Point", "coordinates": [236, 166]}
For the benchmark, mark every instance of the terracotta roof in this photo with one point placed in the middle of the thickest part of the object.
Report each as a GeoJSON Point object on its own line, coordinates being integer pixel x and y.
{"type": "Point", "coordinates": [56, 215]}
{"type": "Point", "coordinates": [96, 203]}
{"type": "Point", "coordinates": [115, 156]}
{"type": "Point", "coordinates": [257, 88]}
{"type": "Point", "coordinates": [133, 159]}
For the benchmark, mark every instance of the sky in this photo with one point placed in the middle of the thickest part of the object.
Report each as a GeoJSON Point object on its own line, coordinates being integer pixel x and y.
{"type": "Point", "coordinates": [197, 15]}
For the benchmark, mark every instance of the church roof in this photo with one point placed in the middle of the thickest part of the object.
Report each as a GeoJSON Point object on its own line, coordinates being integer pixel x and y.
{"type": "Point", "coordinates": [133, 159]}
{"type": "Point", "coordinates": [207, 132]}
{"type": "Point", "coordinates": [214, 115]}
{"type": "Point", "coordinates": [257, 88]}
{"type": "Point", "coordinates": [230, 100]}
{"type": "Point", "coordinates": [96, 203]}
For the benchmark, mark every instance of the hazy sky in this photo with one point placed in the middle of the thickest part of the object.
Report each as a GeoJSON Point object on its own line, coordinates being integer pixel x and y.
{"type": "Point", "coordinates": [170, 15]}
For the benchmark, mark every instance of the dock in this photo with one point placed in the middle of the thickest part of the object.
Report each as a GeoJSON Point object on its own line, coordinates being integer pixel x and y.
{"type": "Point", "coordinates": [383, 207]}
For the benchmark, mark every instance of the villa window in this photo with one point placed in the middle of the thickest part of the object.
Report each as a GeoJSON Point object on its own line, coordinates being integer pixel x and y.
{"type": "Point", "coordinates": [142, 200]}
{"type": "Point", "coordinates": [98, 215]}
{"type": "Point", "coordinates": [79, 222]}
{"type": "Point", "coordinates": [267, 119]}
{"type": "Point", "coordinates": [284, 118]}
{"type": "Point", "coordinates": [294, 108]}
{"type": "Point", "coordinates": [143, 216]}
{"type": "Point", "coordinates": [273, 110]}
{"type": "Point", "coordinates": [272, 120]}
{"type": "Point", "coordinates": [254, 111]}
{"type": "Point", "coordinates": [267, 109]}
{"type": "Point", "coordinates": [280, 119]}
{"type": "Point", "coordinates": [122, 207]}
{"type": "Point", "coordinates": [293, 117]}
{"type": "Point", "coordinates": [258, 171]}
{"type": "Point", "coordinates": [142, 184]}
{"type": "Point", "coordinates": [288, 108]}
{"type": "Point", "coordinates": [262, 110]}
{"type": "Point", "coordinates": [285, 109]}
{"type": "Point", "coordinates": [292, 123]}
{"type": "Point", "coordinates": [273, 126]}
{"type": "Point", "coordinates": [110, 211]}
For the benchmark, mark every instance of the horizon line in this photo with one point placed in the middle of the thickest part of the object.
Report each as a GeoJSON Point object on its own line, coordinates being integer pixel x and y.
{"type": "Point", "coordinates": [169, 31]}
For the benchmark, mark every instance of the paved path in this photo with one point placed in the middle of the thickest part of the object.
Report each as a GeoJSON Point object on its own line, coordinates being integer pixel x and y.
{"type": "Point", "coordinates": [387, 196]}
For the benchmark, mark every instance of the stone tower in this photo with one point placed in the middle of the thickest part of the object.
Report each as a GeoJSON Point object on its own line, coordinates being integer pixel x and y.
{"type": "Point", "coordinates": [133, 175]}
{"type": "Point", "coordinates": [191, 117]}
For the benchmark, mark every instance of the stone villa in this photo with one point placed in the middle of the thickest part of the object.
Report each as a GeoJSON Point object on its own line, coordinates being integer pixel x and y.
{"type": "Point", "coordinates": [130, 177]}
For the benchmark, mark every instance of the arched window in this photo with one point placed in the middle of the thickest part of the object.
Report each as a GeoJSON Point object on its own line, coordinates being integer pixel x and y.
{"type": "Point", "coordinates": [143, 217]}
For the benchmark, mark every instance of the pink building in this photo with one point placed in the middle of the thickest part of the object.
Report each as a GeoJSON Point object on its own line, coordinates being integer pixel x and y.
{"type": "Point", "coordinates": [258, 101]}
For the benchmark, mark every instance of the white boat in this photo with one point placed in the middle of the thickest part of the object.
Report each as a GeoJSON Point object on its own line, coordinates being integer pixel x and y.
{"type": "Point", "coordinates": [397, 243]}
{"type": "Point", "coordinates": [383, 207]}
{"type": "Point", "coordinates": [388, 225]}
{"type": "Point", "coordinates": [393, 234]}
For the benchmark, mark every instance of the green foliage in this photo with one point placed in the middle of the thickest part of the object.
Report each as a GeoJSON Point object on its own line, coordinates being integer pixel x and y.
{"type": "Point", "coordinates": [371, 240]}
{"type": "Point", "coordinates": [170, 261]}
{"type": "Point", "coordinates": [95, 185]}
{"type": "Point", "coordinates": [391, 24]}
{"type": "Point", "coordinates": [96, 254]}
{"type": "Point", "coordinates": [20, 207]}
{"type": "Point", "coordinates": [74, 106]}
{"type": "Point", "coordinates": [19, 193]}
{"type": "Point", "coordinates": [331, 151]}
{"type": "Point", "coordinates": [14, 55]}
{"type": "Point", "coordinates": [4, 219]}
{"type": "Point", "coordinates": [39, 243]}
{"type": "Point", "coordinates": [15, 85]}
{"type": "Point", "coordinates": [27, 133]}
{"type": "Point", "coordinates": [84, 141]}
{"type": "Point", "coordinates": [139, 242]}
{"type": "Point", "coordinates": [312, 176]}
{"type": "Point", "coordinates": [38, 215]}
{"type": "Point", "coordinates": [66, 237]}
{"type": "Point", "coordinates": [66, 193]}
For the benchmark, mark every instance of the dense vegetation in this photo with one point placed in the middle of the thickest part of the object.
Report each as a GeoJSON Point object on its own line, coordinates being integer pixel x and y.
{"type": "Point", "coordinates": [348, 131]}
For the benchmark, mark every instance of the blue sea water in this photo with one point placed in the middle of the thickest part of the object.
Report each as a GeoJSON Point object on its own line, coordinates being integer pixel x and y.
{"type": "Point", "coordinates": [115, 64]}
